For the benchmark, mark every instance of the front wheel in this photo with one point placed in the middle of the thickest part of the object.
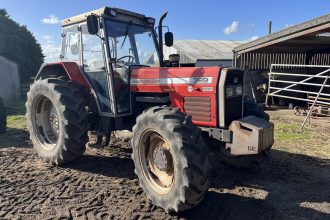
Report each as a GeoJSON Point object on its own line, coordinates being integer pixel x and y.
{"type": "Point", "coordinates": [171, 160]}
{"type": "Point", "coordinates": [56, 120]}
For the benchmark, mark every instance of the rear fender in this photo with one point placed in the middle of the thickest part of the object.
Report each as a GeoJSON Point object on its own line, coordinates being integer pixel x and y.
{"type": "Point", "coordinates": [66, 69]}
{"type": "Point", "coordinates": [70, 71]}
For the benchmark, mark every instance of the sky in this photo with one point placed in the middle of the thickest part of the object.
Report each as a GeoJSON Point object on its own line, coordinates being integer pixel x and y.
{"type": "Point", "coordinates": [187, 19]}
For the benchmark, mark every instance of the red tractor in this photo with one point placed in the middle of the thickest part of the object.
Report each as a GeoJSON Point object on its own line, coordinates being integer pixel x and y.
{"type": "Point", "coordinates": [112, 76]}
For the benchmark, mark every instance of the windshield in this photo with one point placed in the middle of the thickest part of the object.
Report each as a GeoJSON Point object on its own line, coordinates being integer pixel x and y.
{"type": "Point", "coordinates": [132, 44]}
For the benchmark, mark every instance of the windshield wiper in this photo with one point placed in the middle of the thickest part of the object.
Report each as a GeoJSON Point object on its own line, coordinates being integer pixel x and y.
{"type": "Point", "coordinates": [126, 33]}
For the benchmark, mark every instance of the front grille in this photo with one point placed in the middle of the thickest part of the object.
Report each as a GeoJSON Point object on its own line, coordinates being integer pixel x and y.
{"type": "Point", "coordinates": [198, 107]}
{"type": "Point", "coordinates": [233, 108]}
{"type": "Point", "coordinates": [233, 105]}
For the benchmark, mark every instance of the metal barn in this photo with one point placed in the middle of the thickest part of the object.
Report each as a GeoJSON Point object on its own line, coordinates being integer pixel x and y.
{"type": "Point", "coordinates": [203, 53]}
{"type": "Point", "coordinates": [290, 65]}
{"type": "Point", "coordinates": [10, 86]}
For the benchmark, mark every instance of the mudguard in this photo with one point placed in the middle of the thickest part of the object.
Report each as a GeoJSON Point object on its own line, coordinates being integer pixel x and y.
{"type": "Point", "coordinates": [69, 69]}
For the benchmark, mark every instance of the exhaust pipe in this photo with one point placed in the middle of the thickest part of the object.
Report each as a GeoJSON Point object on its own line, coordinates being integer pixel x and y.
{"type": "Point", "coordinates": [160, 39]}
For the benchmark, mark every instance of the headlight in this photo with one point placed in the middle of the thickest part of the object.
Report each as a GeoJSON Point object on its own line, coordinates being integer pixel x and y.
{"type": "Point", "coordinates": [239, 90]}
{"type": "Point", "coordinates": [229, 92]}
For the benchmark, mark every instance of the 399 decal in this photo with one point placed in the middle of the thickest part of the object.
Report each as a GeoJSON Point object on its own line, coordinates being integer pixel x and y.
{"type": "Point", "coordinates": [201, 80]}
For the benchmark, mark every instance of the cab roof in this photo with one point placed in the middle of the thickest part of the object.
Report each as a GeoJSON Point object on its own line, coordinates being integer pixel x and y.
{"type": "Point", "coordinates": [106, 12]}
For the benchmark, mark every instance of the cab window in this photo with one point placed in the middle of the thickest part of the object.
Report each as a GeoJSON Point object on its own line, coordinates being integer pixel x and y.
{"type": "Point", "coordinates": [71, 51]}
{"type": "Point", "coordinates": [92, 52]}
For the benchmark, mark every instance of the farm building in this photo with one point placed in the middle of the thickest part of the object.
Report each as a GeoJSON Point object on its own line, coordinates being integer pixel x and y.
{"type": "Point", "coordinates": [203, 52]}
{"type": "Point", "coordinates": [10, 86]}
{"type": "Point", "coordinates": [302, 57]}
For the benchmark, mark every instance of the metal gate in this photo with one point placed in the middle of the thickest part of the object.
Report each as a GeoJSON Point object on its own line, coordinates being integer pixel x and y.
{"type": "Point", "coordinates": [298, 82]}
{"type": "Point", "coordinates": [291, 81]}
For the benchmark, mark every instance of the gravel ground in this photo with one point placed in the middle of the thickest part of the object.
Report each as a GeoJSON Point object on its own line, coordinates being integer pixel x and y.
{"type": "Point", "coordinates": [102, 185]}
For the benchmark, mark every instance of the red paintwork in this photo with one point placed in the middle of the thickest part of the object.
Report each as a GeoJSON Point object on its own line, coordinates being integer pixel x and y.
{"type": "Point", "coordinates": [73, 72]}
{"type": "Point", "coordinates": [179, 91]}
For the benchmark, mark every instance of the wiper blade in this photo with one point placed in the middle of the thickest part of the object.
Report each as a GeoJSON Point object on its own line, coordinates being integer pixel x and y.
{"type": "Point", "coordinates": [126, 33]}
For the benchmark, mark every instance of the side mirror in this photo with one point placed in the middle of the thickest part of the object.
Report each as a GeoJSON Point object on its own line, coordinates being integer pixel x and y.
{"type": "Point", "coordinates": [169, 39]}
{"type": "Point", "coordinates": [92, 24]}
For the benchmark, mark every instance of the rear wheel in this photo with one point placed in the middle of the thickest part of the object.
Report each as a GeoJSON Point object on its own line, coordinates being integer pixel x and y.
{"type": "Point", "coordinates": [57, 120]}
{"type": "Point", "coordinates": [171, 160]}
{"type": "Point", "coordinates": [3, 117]}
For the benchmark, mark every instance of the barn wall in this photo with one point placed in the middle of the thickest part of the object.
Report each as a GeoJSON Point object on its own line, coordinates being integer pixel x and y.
{"type": "Point", "coordinates": [10, 87]}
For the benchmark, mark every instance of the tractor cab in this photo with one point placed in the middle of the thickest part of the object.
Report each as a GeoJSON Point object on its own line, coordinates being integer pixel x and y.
{"type": "Point", "coordinates": [106, 43]}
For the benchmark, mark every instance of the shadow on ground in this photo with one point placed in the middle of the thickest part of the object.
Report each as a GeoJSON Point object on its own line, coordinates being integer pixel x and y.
{"type": "Point", "coordinates": [110, 166]}
{"type": "Point", "coordinates": [13, 137]}
{"type": "Point", "coordinates": [278, 189]}
{"type": "Point", "coordinates": [287, 186]}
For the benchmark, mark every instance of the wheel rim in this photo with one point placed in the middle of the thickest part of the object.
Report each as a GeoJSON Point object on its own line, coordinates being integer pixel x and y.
{"type": "Point", "coordinates": [156, 160]}
{"type": "Point", "coordinates": [46, 122]}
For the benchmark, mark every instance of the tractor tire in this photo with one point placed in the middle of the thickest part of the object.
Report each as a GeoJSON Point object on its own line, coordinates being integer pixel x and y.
{"type": "Point", "coordinates": [171, 159]}
{"type": "Point", "coordinates": [57, 120]}
{"type": "Point", "coordinates": [3, 117]}
{"type": "Point", "coordinates": [253, 109]}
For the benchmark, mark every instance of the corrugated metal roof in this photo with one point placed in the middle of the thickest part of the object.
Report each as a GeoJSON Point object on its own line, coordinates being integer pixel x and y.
{"type": "Point", "coordinates": [318, 25]}
{"type": "Point", "coordinates": [193, 50]}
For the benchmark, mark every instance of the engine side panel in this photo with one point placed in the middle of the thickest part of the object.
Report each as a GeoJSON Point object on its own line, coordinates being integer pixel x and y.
{"type": "Point", "coordinates": [191, 89]}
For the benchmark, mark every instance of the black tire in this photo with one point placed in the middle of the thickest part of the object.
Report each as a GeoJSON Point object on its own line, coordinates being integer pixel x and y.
{"type": "Point", "coordinates": [57, 120]}
{"type": "Point", "coordinates": [189, 157]}
{"type": "Point", "coordinates": [253, 109]}
{"type": "Point", "coordinates": [3, 117]}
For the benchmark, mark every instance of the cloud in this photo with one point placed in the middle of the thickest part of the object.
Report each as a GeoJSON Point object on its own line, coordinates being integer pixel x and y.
{"type": "Point", "coordinates": [251, 26]}
{"type": "Point", "coordinates": [51, 19]}
{"type": "Point", "coordinates": [47, 37]}
{"type": "Point", "coordinates": [253, 38]}
{"type": "Point", "coordinates": [231, 28]}
{"type": "Point", "coordinates": [51, 52]}
{"type": "Point", "coordinates": [288, 25]}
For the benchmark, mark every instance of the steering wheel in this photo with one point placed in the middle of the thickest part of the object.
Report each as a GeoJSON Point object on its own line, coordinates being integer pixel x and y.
{"type": "Point", "coordinates": [130, 59]}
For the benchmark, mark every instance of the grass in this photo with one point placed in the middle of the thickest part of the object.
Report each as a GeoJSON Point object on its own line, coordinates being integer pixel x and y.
{"type": "Point", "coordinates": [18, 120]}
{"type": "Point", "coordinates": [289, 131]}
{"type": "Point", "coordinates": [313, 141]}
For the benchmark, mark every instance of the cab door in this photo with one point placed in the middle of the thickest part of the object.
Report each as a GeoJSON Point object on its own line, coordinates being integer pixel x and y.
{"type": "Point", "coordinates": [95, 68]}
{"type": "Point", "coordinates": [123, 53]}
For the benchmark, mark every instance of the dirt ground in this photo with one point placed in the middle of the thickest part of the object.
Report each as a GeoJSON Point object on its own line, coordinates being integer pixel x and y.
{"type": "Point", "coordinates": [292, 184]}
